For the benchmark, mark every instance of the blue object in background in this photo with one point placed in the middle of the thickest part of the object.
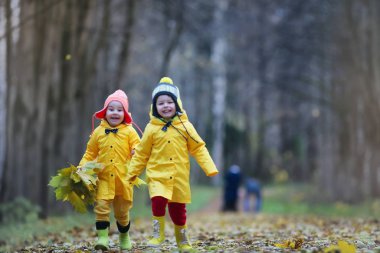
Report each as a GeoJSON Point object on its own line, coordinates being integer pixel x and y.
{"type": "Point", "coordinates": [232, 180]}
{"type": "Point", "coordinates": [252, 189]}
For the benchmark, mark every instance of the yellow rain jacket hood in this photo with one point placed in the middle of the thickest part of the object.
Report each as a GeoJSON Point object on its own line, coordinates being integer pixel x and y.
{"type": "Point", "coordinates": [165, 155]}
{"type": "Point", "coordinates": [113, 150]}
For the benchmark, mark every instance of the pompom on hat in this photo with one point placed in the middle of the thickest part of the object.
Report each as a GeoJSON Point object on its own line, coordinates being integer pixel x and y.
{"type": "Point", "coordinates": [166, 87]}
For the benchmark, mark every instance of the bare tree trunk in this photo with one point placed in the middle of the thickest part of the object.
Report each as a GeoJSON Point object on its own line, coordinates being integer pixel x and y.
{"type": "Point", "coordinates": [357, 108]}
{"type": "Point", "coordinates": [5, 51]}
{"type": "Point", "coordinates": [262, 95]}
{"type": "Point", "coordinates": [54, 52]}
{"type": "Point", "coordinates": [373, 176]}
{"type": "Point", "coordinates": [218, 60]}
{"type": "Point", "coordinates": [125, 44]}
{"type": "Point", "coordinates": [175, 31]}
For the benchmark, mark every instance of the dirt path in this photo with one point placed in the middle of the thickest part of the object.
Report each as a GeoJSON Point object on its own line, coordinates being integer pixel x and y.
{"type": "Point", "coordinates": [213, 206]}
{"type": "Point", "coordinates": [233, 232]}
{"type": "Point", "coordinates": [212, 231]}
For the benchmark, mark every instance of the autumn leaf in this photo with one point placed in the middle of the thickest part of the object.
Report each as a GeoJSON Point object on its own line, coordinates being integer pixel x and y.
{"type": "Point", "coordinates": [56, 181]}
{"type": "Point", "coordinates": [77, 202]}
{"type": "Point", "coordinates": [342, 247]}
{"type": "Point", "coordinates": [92, 167]}
{"type": "Point", "coordinates": [290, 244]}
{"type": "Point", "coordinates": [88, 176]}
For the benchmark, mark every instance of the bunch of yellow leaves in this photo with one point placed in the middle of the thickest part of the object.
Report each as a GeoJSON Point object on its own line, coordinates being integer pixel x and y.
{"type": "Point", "coordinates": [78, 186]}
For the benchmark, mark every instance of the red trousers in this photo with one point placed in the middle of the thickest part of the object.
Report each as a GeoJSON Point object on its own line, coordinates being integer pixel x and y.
{"type": "Point", "coordinates": [177, 211]}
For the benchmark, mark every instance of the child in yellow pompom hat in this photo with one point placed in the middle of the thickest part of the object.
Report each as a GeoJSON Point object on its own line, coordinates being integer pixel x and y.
{"type": "Point", "coordinates": [164, 151]}
{"type": "Point", "coordinates": [112, 143]}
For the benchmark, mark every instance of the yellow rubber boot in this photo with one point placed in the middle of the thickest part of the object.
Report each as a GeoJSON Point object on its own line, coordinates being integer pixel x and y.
{"type": "Point", "coordinates": [102, 242]}
{"type": "Point", "coordinates": [158, 231]}
{"type": "Point", "coordinates": [182, 238]}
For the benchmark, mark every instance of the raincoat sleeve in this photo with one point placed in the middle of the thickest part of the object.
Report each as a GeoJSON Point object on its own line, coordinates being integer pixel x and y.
{"type": "Point", "coordinates": [197, 148]}
{"type": "Point", "coordinates": [141, 156]}
{"type": "Point", "coordinates": [91, 151]}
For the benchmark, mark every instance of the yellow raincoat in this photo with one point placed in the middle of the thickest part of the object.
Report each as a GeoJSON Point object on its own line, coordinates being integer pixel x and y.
{"type": "Point", "coordinates": [114, 152]}
{"type": "Point", "coordinates": [165, 155]}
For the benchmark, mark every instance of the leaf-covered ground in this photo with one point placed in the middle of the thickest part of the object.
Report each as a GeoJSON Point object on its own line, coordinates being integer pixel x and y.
{"type": "Point", "coordinates": [231, 232]}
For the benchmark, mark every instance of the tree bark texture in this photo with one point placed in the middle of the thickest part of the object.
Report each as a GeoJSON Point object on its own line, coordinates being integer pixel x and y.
{"type": "Point", "coordinates": [356, 104]}
{"type": "Point", "coordinates": [218, 61]}
{"type": "Point", "coordinates": [58, 52]}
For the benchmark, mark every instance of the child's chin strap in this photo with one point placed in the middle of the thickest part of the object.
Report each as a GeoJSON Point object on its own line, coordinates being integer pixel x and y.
{"type": "Point", "coordinates": [138, 128]}
{"type": "Point", "coordinates": [169, 123]}
{"type": "Point", "coordinates": [92, 123]}
{"type": "Point", "coordinates": [179, 116]}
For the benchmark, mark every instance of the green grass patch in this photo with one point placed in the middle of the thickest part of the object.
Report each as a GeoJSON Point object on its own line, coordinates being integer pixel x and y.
{"type": "Point", "coordinates": [294, 199]}
{"type": "Point", "coordinates": [16, 234]}
{"type": "Point", "coordinates": [201, 197]}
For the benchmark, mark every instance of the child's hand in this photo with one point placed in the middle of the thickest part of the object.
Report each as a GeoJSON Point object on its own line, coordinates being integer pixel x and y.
{"type": "Point", "coordinates": [137, 182]}
{"type": "Point", "coordinates": [132, 152]}
{"type": "Point", "coordinates": [214, 173]}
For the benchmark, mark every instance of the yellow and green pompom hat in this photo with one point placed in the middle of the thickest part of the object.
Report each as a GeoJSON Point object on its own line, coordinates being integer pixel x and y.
{"type": "Point", "coordinates": [166, 86]}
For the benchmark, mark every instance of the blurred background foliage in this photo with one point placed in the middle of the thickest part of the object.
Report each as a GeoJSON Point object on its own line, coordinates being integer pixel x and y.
{"type": "Point", "coordinates": [289, 90]}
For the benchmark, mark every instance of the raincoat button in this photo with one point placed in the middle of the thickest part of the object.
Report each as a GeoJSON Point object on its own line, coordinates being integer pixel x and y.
{"type": "Point", "coordinates": [171, 159]}
{"type": "Point", "coordinates": [111, 160]}
{"type": "Point", "coordinates": [111, 147]}
{"type": "Point", "coordinates": [111, 175]}
{"type": "Point", "coordinates": [168, 141]}
{"type": "Point", "coordinates": [171, 177]}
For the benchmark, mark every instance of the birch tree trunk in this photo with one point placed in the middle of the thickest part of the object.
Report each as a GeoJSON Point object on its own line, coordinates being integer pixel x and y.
{"type": "Point", "coordinates": [219, 81]}
{"type": "Point", "coordinates": [5, 18]}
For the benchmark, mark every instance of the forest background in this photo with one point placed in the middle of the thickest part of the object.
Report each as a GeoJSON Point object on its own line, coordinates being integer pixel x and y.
{"type": "Point", "coordinates": [289, 90]}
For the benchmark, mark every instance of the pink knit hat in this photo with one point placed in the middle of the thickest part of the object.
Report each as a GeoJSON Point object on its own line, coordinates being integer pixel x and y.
{"type": "Point", "coordinates": [121, 97]}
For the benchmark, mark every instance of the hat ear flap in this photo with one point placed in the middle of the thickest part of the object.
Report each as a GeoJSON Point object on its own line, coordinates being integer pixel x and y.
{"type": "Point", "coordinates": [177, 107]}
{"type": "Point", "coordinates": [154, 108]}
{"type": "Point", "coordinates": [101, 114]}
{"type": "Point", "coordinates": [127, 117]}
{"type": "Point", "coordinates": [179, 102]}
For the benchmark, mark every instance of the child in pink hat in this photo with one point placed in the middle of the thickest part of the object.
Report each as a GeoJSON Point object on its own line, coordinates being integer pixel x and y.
{"type": "Point", "coordinates": [112, 143]}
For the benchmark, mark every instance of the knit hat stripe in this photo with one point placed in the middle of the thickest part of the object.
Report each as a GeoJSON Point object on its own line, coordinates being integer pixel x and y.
{"type": "Point", "coordinates": [166, 87]}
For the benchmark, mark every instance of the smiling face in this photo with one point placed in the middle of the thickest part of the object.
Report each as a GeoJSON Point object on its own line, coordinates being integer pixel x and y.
{"type": "Point", "coordinates": [165, 106]}
{"type": "Point", "coordinates": [115, 113]}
